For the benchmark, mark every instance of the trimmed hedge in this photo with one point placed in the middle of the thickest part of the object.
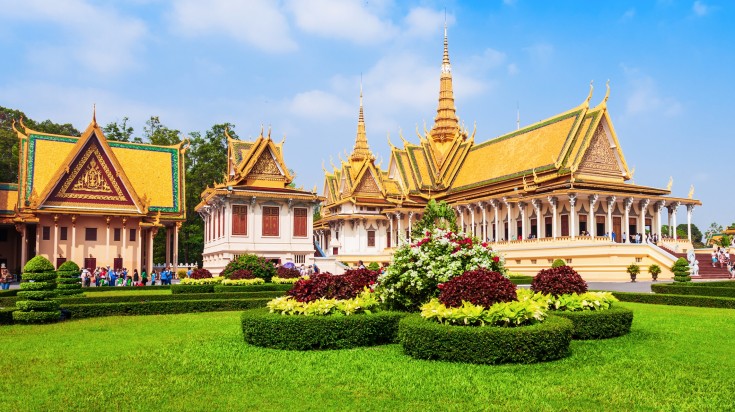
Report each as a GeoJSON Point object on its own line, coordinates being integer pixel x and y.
{"type": "Point", "coordinates": [273, 330]}
{"type": "Point", "coordinates": [161, 307]}
{"type": "Point", "coordinates": [39, 277]}
{"type": "Point", "coordinates": [109, 288]}
{"type": "Point", "coordinates": [688, 289]}
{"type": "Point", "coordinates": [161, 298]}
{"type": "Point", "coordinates": [38, 305]}
{"type": "Point", "coordinates": [521, 280]}
{"type": "Point", "coordinates": [715, 284]}
{"type": "Point", "coordinates": [28, 286]}
{"type": "Point", "coordinates": [599, 324]}
{"type": "Point", "coordinates": [192, 289]}
{"type": "Point", "coordinates": [677, 300]}
{"type": "Point", "coordinates": [36, 294]}
{"type": "Point", "coordinates": [252, 288]}
{"type": "Point", "coordinates": [9, 292]}
{"type": "Point", "coordinates": [36, 317]}
{"type": "Point", "coordinates": [545, 341]}
{"type": "Point", "coordinates": [6, 316]}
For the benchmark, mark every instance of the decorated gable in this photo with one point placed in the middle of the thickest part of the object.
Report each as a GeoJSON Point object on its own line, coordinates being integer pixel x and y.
{"type": "Point", "coordinates": [367, 184]}
{"type": "Point", "coordinates": [601, 158]}
{"type": "Point", "coordinates": [91, 179]}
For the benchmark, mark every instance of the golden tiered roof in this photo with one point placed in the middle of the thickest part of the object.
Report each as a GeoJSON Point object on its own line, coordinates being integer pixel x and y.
{"type": "Point", "coordinates": [361, 151]}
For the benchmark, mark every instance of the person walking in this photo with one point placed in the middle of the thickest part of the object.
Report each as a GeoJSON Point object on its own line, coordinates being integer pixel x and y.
{"type": "Point", "coordinates": [144, 277]}
{"type": "Point", "coordinates": [136, 278]}
{"type": "Point", "coordinates": [153, 277]}
{"type": "Point", "coordinates": [5, 277]}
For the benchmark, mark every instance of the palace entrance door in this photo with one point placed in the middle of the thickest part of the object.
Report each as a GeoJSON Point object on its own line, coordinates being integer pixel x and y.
{"type": "Point", "coordinates": [565, 225]}
{"type": "Point", "coordinates": [90, 263]}
{"type": "Point", "coordinates": [617, 222]}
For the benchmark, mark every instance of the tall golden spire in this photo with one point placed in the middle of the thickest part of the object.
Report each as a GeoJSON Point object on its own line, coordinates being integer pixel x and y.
{"type": "Point", "coordinates": [446, 124]}
{"type": "Point", "coordinates": [361, 151]}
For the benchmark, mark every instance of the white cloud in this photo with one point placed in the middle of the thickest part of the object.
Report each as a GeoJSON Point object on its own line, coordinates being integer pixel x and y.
{"type": "Point", "coordinates": [645, 97]}
{"type": "Point", "coordinates": [540, 53]}
{"type": "Point", "coordinates": [319, 105]}
{"type": "Point", "coordinates": [509, 2]}
{"type": "Point", "coordinates": [94, 38]}
{"type": "Point", "coordinates": [342, 19]}
{"type": "Point", "coordinates": [425, 22]}
{"type": "Point", "coordinates": [489, 59]}
{"type": "Point", "coordinates": [700, 9]}
{"type": "Point", "coordinates": [512, 69]}
{"type": "Point", "coordinates": [628, 15]}
{"type": "Point", "coordinates": [255, 22]}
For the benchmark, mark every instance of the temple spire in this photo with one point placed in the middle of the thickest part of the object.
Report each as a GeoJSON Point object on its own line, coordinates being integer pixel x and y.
{"type": "Point", "coordinates": [446, 124]}
{"type": "Point", "coordinates": [361, 151]}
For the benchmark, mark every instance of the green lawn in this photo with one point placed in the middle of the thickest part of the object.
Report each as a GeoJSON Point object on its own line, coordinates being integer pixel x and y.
{"type": "Point", "coordinates": [676, 358]}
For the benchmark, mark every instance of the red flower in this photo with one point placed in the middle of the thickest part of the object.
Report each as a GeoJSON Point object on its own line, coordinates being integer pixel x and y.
{"type": "Point", "coordinates": [440, 286]}
{"type": "Point", "coordinates": [484, 244]}
{"type": "Point", "coordinates": [496, 259]}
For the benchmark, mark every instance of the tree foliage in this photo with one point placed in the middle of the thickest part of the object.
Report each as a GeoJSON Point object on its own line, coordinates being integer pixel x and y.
{"type": "Point", "coordinates": [439, 215]}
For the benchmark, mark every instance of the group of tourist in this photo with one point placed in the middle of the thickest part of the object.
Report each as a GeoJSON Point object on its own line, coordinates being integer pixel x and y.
{"type": "Point", "coordinates": [720, 255]}
{"type": "Point", "coordinates": [638, 238]}
{"type": "Point", "coordinates": [6, 278]}
{"type": "Point", "coordinates": [106, 276]}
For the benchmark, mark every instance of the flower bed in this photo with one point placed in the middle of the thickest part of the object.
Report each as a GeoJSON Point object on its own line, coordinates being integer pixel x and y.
{"type": "Point", "coordinates": [539, 342]}
{"type": "Point", "coordinates": [262, 328]}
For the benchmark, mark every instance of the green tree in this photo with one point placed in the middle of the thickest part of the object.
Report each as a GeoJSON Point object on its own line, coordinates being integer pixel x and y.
{"type": "Point", "coordinates": [713, 229]}
{"type": "Point", "coordinates": [154, 132]}
{"type": "Point", "coordinates": [681, 231]}
{"type": "Point", "coordinates": [121, 132]}
{"type": "Point", "coordinates": [435, 215]}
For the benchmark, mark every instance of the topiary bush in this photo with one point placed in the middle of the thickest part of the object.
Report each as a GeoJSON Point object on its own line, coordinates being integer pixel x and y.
{"type": "Point", "coordinates": [258, 265]}
{"type": "Point", "coordinates": [288, 273]}
{"type": "Point", "coordinates": [374, 266]}
{"type": "Point", "coordinates": [599, 324]}
{"type": "Point", "coordinates": [539, 342]}
{"type": "Point", "coordinates": [273, 330]}
{"type": "Point", "coordinates": [558, 263]}
{"type": "Point", "coordinates": [557, 281]}
{"type": "Point", "coordinates": [326, 285]}
{"type": "Point", "coordinates": [69, 282]}
{"type": "Point", "coordinates": [481, 287]}
{"type": "Point", "coordinates": [681, 271]}
{"type": "Point", "coordinates": [37, 287]}
{"type": "Point", "coordinates": [241, 274]}
{"type": "Point", "coordinates": [200, 274]}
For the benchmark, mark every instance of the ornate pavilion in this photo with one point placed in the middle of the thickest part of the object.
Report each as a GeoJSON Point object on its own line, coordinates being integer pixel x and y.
{"type": "Point", "coordinates": [573, 184]}
{"type": "Point", "coordinates": [256, 209]}
{"type": "Point", "coordinates": [93, 201]}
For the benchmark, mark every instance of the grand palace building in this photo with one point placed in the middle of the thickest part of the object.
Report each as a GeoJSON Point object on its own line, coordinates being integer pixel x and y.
{"type": "Point", "coordinates": [557, 188]}
{"type": "Point", "coordinates": [93, 201]}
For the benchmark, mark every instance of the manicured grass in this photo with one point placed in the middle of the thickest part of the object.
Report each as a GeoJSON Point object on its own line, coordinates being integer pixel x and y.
{"type": "Point", "coordinates": [675, 358]}
{"type": "Point", "coordinates": [141, 292]}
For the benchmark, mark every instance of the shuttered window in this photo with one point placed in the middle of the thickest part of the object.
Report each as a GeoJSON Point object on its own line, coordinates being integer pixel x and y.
{"type": "Point", "coordinates": [299, 222]}
{"type": "Point", "coordinates": [270, 221]}
{"type": "Point", "coordinates": [239, 220]}
{"type": "Point", "coordinates": [371, 238]}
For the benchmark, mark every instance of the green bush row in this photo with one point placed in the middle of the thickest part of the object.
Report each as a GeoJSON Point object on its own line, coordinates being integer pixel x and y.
{"type": "Point", "coordinates": [36, 317]}
{"type": "Point", "coordinates": [36, 294]}
{"type": "Point", "coordinates": [715, 284]}
{"type": "Point", "coordinates": [109, 288]}
{"type": "Point", "coordinates": [161, 307]}
{"type": "Point", "coordinates": [687, 289]}
{"type": "Point", "coordinates": [160, 298]}
{"type": "Point", "coordinates": [9, 292]}
{"type": "Point", "coordinates": [599, 324]}
{"type": "Point", "coordinates": [68, 281]}
{"type": "Point", "coordinates": [251, 288]}
{"type": "Point", "coordinates": [37, 285]}
{"type": "Point", "coordinates": [545, 341]}
{"type": "Point", "coordinates": [272, 330]}
{"type": "Point", "coordinates": [6, 316]}
{"type": "Point", "coordinates": [677, 300]}
{"type": "Point", "coordinates": [521, 280]}
{"type": "Point", "coordinates": [38, 305]}
{"type": "Point", "coordinates": [39, 277]}
{"type": "Point", "coordinates": [175, 289]}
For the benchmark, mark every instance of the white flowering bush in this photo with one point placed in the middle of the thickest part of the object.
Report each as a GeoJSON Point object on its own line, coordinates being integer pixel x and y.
{"type": "Point", "coordinates": [412, 279]}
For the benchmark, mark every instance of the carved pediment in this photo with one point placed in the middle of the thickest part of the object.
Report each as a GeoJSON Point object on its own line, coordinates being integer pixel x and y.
{"type": "Point", "coordinates": [367, 184]}
{"type": "Point", "coordinates": [266, 167]}
{"type": "Point", "coordinates": [600, 157]}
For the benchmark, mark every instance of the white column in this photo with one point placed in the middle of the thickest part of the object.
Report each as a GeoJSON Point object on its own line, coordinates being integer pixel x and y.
{"type": "Point", "coordinates": [410, 227]}
{"type": "Point", "coordinates": [540, 224]}
{"type": "Point", "coordinates": [659, 207]}
{"type": "Point", "coordinates": [24, 246]}
{"type": "Point", "coordinates": [461, 218]}
{"type": "Point", "coordinates": [390, 219]}
{"type": "Point", "coordinates": [484, 221]}
{"type": "Point", "coordinates": [176, 245]}
{"type": "Point", "coordinates": [496, 206]}
{"type": "Point", "coordinates": [610, 207]}
{"type": "Point", "coordinates": [642, 224]}
{"type": "Point", "coordinates": [56, 241]}
{"type": "Point", "coordinates": [626, 225]}
{"type": "Point", "coordinates": [690, 209]}
{"type": "Point", "coordinates": [573, 215]}
{"type": "Point", "coordinates": [124, 243]}
{"type": "Point", "coordinates": [671, 234]}
{"type": "Point", "coordinates": [168, 245]}
{"type": "Point", "coordinates": [107, 242]}
{"type": "Point", "coordinates": [471, 209]}
{"type": "Point", "coordinates": [508, 212]}
{"type": "Point", "coordinates": [151, 235]}
{"type": "Point", "coordinates": [554, 229]}
{"type": "Point", "coordinates": [524, 231]}
{"type": "Point", "coordinates": [673, 217]}
{"type": "Point", "coordinates": [398, 222]}
{"type": "Point", "coordinates": [74, 237]}
{"type": "Point", "coordinates": [591, 219]}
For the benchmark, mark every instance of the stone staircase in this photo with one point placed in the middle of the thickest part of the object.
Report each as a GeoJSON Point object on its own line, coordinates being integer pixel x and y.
{"type": "Point", "coordinates": [706, 271]}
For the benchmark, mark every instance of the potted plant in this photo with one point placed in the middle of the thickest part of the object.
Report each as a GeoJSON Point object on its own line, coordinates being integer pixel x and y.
{"type": "Point", "coordinates": [654, 270]}
{"type": "Point", "coordinates": [633, 270]}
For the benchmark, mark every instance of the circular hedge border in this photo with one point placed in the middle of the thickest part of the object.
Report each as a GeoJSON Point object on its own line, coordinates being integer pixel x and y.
{"type": "Point", "coordinates": [599, 324]}
{"type": "Point", "coordinates": [424, 339]}
{"type": "Point", "coordinates": [176, 289]}
{"type": "Point", "coordinates": [298, 332]}
{"type": "Point", "coordinates": [36, 317]}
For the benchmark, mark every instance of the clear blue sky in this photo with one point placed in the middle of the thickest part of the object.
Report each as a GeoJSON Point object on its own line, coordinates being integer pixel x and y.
{"type": "Point", "coordinates": [296, 65]}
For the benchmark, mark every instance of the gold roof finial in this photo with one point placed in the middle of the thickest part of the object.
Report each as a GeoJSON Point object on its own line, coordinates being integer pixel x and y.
{"type": "Point", "coordinates": [331, 162]}
{"type": "Point", "coordinates": [283, 140]}
{"type": "Point", "coordinates": [361, 150]}
{"type": "Point", "coordinates": [446, 123]}
{"type": "Point", "coordinates": [607, 92]}
{"type": "Point", "coordinates": [589, 96]}
{"type": "Point", "coordinates": [269, 131]}
{"type": "Point", "coordinates": [389, 142]}
{"type": "Point", "coordinates": [94, 114]}
{"type": "Point", "coordinates": [400, 134]}
{"type": "Point", "coordinates": [691, 193]}
{"type": "Point", "coordinates": [261, 129]}
{"type": "Point", "coordinates": [671, 183]}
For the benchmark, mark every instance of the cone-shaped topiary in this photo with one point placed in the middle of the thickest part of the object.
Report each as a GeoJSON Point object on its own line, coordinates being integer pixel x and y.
{"type": "Point", "coordinates": [37, 288]}
{"type": "Point", "coordinates": [558, 263]}
{"type": "Point", "coordinates": [681, 271]}
{"type": "Point", "coordinates": [69, 281]}
{"type": "Point", "coordinates": [562, 280]}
